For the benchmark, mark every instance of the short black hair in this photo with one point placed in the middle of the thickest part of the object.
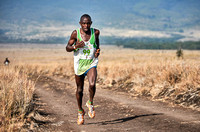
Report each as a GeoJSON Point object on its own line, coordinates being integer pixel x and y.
{"type": "Point", "coordinates": [85, 16]}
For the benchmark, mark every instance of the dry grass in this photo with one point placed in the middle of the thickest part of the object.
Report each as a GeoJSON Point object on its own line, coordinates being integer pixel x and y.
{"type": "Point", "coordinates": [155, 74]}
{"type": "Point", "coordinates": [16, 92]}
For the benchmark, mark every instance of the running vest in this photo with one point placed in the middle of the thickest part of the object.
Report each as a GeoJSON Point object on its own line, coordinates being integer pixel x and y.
{"type": "Point", "coordinates": [84, 57]}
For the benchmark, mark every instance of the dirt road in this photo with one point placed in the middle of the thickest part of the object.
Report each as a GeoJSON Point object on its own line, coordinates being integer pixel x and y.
{"type": "Point", "coordinates": [57, 111]}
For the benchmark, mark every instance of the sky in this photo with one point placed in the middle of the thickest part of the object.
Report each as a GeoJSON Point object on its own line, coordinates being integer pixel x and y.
{"type": "Point", "coordinates": [43, 19]}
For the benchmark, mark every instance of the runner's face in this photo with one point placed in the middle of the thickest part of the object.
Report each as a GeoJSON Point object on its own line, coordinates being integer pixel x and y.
{"type": "Point", "coordinates": [85, 24]}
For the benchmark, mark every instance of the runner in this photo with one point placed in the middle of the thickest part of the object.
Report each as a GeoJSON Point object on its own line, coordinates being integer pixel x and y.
{"type": "Point", "coordinates": [85, 44]}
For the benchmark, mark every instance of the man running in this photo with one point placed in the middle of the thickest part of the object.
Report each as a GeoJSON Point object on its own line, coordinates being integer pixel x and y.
{"type": "Point", "coordinates": [85, 44]}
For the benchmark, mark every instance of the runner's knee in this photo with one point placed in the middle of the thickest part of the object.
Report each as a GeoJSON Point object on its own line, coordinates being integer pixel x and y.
{"type": "Point", "coordinates": [92, 85]}
{"type": "Point", "coordinates": [79, 91]}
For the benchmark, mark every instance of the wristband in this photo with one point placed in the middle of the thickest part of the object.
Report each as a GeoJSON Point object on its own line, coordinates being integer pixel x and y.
{"type": "Point", "coordinates": [98, 50]}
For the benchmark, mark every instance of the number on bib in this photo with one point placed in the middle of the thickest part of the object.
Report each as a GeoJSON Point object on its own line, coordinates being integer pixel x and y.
{"type": "Point", "coordinates": [86, 51]}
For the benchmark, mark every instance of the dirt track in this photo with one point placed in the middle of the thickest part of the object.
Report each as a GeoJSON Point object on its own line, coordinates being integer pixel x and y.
{"type": "Point", "coordinates": [57, 111]}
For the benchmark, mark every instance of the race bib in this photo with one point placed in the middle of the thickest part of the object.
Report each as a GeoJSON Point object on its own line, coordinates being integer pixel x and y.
{"type": "Point", "coordinates": [87, 52]}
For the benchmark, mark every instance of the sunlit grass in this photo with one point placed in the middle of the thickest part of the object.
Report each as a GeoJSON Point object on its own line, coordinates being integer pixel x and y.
{"type": "Point", "coordinates": [155, 74]}
{"type": "Point", "coordinates": [16, 92]}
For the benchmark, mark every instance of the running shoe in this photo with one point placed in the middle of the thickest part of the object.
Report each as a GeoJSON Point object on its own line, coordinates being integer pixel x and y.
{"type": "Point", "coordinates": [91, 111]}
{"type": "Point", "coordinates": [80, 120]}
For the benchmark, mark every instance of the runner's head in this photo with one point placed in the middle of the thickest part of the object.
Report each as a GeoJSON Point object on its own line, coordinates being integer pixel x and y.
{"type": "Point", "coordinates": [85, 22]}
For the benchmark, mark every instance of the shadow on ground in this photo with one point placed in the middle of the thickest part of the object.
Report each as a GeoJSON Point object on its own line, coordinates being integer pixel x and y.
{"type": "Point", "coordinates": [121, 120]}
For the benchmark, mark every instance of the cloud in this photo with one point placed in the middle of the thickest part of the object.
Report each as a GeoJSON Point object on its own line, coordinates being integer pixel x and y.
{"type": "Point", "coordinates": [133, 33]}
{"type": "Point", "coordinates": [50, 29]}
{"type": "Point", "coordinates": [190, 35]}
{"type": "Point", "coordinates": [35, 30]}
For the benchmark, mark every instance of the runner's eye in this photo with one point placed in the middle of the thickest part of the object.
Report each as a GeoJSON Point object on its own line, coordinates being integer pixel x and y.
{"type": "Point", "coordinates": [88, 23]}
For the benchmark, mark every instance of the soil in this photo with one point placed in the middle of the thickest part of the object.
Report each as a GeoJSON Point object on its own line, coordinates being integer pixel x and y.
{"type": "Point", "coordinates": [56, 110]}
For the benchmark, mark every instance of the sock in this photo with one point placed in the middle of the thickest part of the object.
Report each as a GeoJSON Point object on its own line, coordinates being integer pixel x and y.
{"type": "Point", "coordinates": [80, 111]}
{"type": "Point", "coordinates": [89, 102]}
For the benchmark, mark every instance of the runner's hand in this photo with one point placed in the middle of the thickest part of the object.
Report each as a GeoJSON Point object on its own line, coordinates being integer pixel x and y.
{"type": "Point", "coordinates": [80, 44]}
{"type": "Point", "coordinates": [97, 53]}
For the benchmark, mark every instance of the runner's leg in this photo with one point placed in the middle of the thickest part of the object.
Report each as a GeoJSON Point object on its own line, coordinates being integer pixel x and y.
{"type": "Point", "coordinates": [92, 75]}
{"type": "Point", "coordinates": [79, 91]}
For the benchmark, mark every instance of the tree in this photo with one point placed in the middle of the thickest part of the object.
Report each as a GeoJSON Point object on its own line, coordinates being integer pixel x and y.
{"type": "Point", "coordinates": [179, 53]}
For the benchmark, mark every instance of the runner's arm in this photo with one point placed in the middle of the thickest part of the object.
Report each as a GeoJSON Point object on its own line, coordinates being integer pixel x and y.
{"type": "Point", "coordinates": [97, 33]}
{"type": "Point", "coordinates": [79, 44]}
{"type": "Point", "coordinates": [72, 40]}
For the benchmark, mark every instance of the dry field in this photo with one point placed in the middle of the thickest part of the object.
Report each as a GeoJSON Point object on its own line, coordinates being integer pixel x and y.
{"type": "Point", "coordinates": [154, 74]}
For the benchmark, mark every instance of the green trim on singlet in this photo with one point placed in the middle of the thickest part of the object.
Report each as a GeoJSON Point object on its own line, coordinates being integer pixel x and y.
{"type": "Point", "coordinates": [79, 35]}
{"type": "Point", "coordinates": [92, 37]}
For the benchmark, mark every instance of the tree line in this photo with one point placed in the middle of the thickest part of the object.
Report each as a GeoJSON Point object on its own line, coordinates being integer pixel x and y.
{"type": "Point", "coordinates": [190, 45]}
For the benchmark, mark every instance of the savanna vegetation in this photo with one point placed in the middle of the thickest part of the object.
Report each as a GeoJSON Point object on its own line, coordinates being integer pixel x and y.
{"type": "Point", "coordinates": [154, 74]}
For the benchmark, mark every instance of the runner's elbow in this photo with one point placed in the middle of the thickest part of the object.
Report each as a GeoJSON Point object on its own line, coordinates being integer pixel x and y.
{"type": "Point", "coordinates": [67, 49]}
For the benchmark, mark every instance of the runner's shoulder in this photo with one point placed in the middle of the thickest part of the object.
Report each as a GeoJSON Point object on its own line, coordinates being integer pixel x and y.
{"type": "Point", "coordinates": [96, 31]}
{"type": "Point", "coordinates": [74, 34]}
